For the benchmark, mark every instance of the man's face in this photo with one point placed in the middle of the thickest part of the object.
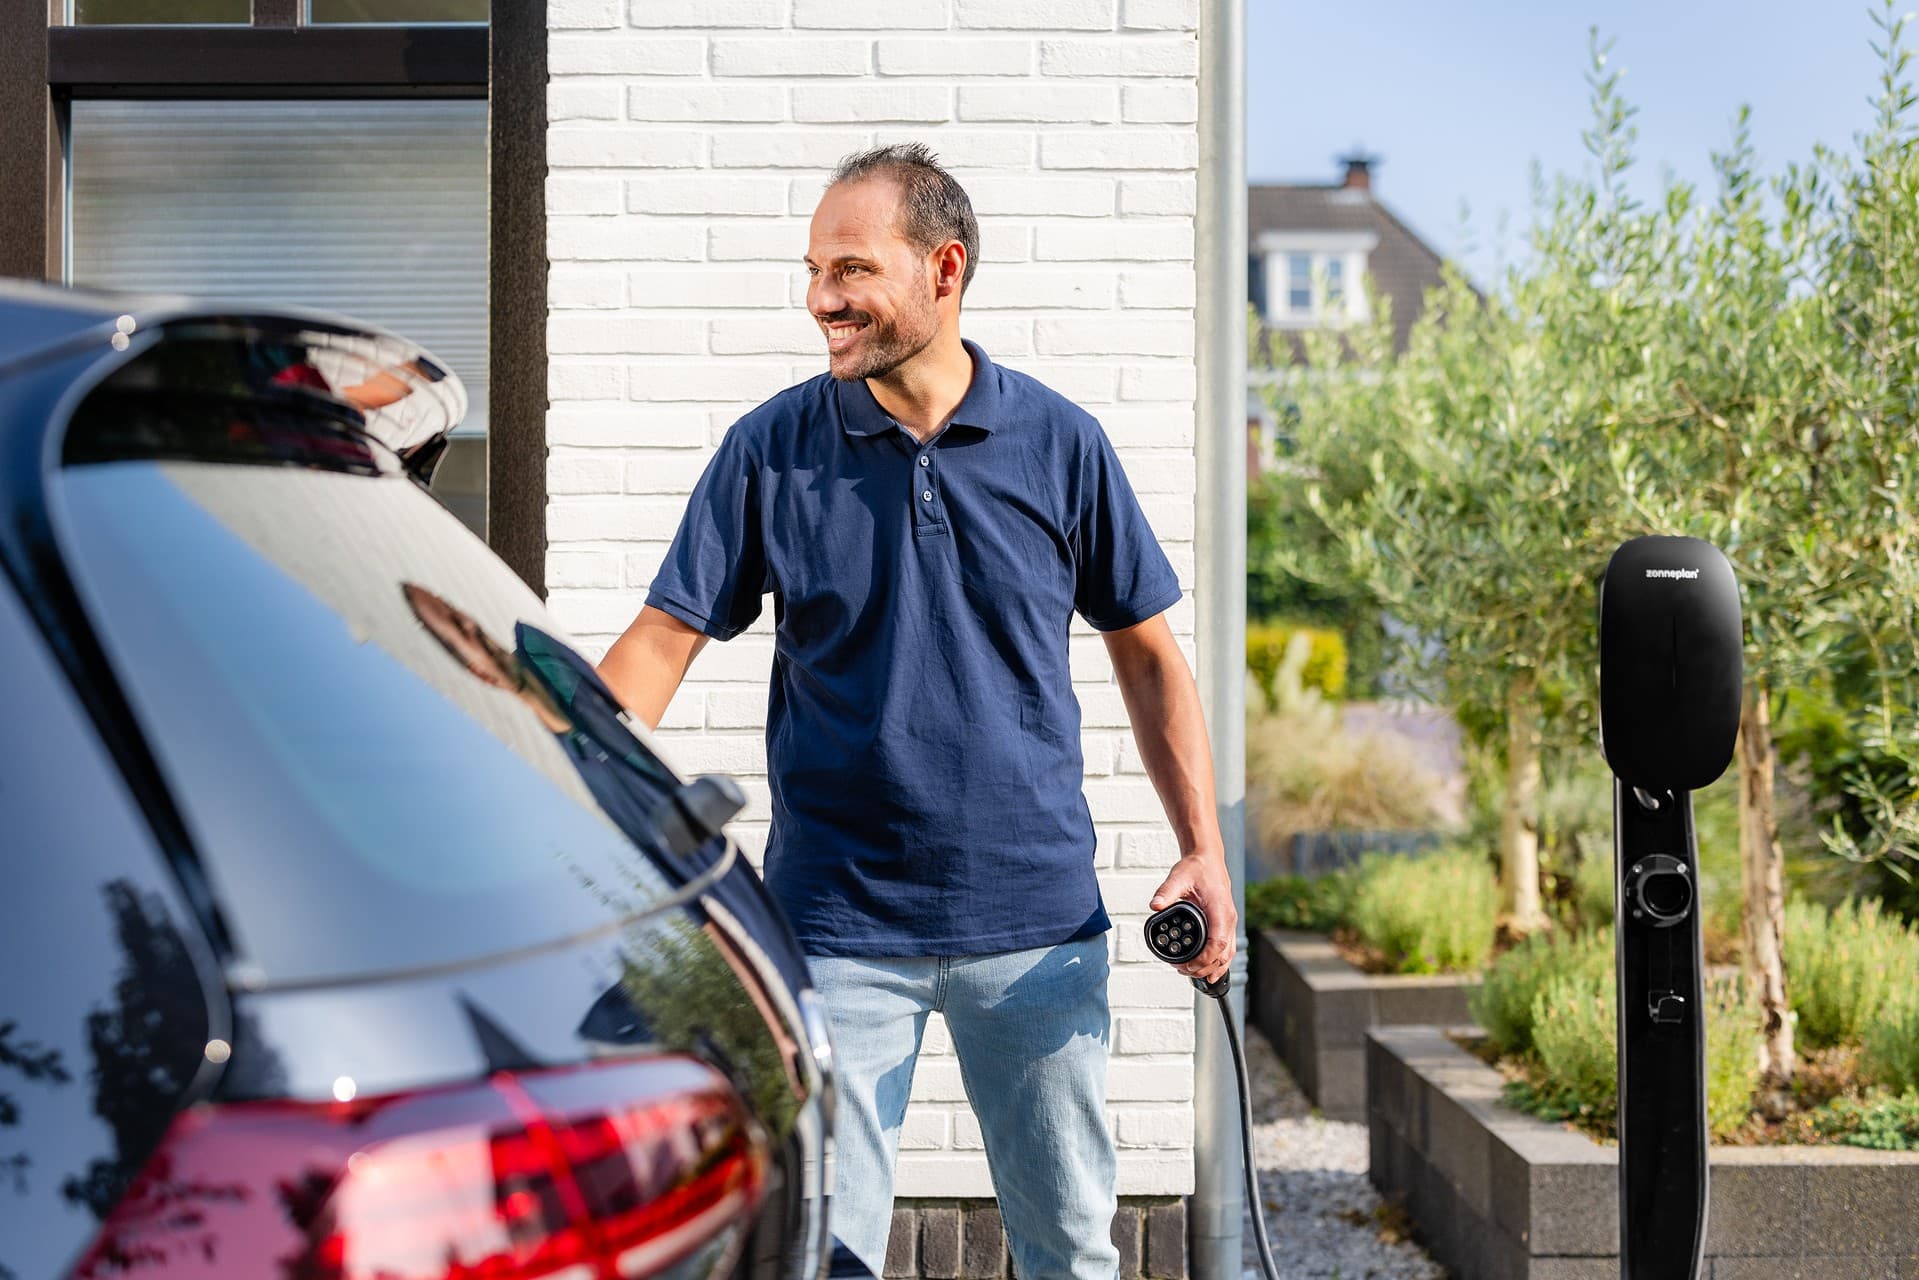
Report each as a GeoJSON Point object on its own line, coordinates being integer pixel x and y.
{"type": "Point", "coordinates": [871, 292]}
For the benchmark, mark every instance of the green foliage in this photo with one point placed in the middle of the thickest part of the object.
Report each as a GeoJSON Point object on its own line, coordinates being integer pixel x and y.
{"type": "Point", "coordinates": [1733, 363]}
{"type": "Point", "coordinates": [1574, 1065]}
{"type": "Point", "coordinates": [1430, 914]}
{"type": "Point", "coordinates": [1322, 666]}
{"type": "Point", "coordinates": [1573, 1023]}
{"type": "Point", "coordinates": [1314, 903]}
{"type": "Point", "coordinates": [1892, 1043]}
{"type": "Point", "coordinates": [1846, 964]}
{"type": "Point", "coordinates": [1593, 884]}
{"type": "Point", "coordinates": [1882, 1122]}
{"type": "Point", "coordinates": [1503, 1003]}
{"type": "Point", "coordinates": [1732, 1056]}
{"type": "Point", "coordinates": [1715, 821]}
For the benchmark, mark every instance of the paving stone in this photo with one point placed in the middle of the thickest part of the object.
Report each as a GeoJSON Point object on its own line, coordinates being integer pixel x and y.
{"type": "Point", "coordinates": [1126, 1240]}
{"type": "Point", "coordinates": [1826, 1268]}
{"type": "Point", "coordinates": [940, 1242]}
{"type": "Point", "coordinates": [1166, 1241]}
{"type": "Point", "coordinates": [1432, 1002]}
{"type": "Point", "coordinates": [902, 1245]}
{"type": "Point", "coordinates": [1871, 1207]}
{"type": "Point", "coordinates": [1762, 1210]}
{"type": "Point", "coordinates": [1460, 1147]}
{"type": "Point", "coordinates": [1574, 1269]}
{"type": "Point", "coordinates": [982, 1242]}
{"type": "Point", "coordinates": [1341, 1018]}
{"type": "Point", "coordinates": [1342, 1085]}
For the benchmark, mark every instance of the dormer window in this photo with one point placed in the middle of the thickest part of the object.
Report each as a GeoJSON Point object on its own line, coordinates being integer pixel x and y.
{"type": "Point", "coordinates": [1312, 278]}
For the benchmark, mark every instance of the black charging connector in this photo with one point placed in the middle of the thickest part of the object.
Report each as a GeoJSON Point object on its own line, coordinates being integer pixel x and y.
{"type": "Point", "coordinates": [1176, 935]}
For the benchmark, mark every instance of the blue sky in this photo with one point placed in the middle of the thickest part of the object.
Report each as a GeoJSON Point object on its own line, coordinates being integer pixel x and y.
{"type": "Point", "coordinates": [1459, 98]}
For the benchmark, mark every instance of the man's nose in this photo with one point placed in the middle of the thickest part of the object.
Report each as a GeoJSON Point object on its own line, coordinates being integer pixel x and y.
{"type": "Point", "coordinates": [824, 298]}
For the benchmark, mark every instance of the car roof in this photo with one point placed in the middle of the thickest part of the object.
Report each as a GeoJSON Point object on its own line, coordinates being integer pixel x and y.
{"type": "Point", "coordinates": [41, 321]}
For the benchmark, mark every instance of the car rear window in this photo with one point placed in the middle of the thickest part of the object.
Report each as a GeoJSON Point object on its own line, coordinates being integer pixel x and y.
{"type": "Point", "coordinates": [385, 752]}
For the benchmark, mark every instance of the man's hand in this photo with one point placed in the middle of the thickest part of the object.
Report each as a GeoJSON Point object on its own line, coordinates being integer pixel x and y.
{"type": "Point", "coordinates": [1201, 879]}
{"type": "Point", "coordinates": [1168, 725]}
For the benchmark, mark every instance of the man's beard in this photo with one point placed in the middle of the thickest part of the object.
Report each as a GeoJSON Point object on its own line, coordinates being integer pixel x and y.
{"type": "Point", "coordinates": [884, 347]}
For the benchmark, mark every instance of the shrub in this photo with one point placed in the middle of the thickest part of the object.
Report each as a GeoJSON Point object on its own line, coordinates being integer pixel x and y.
{"type": "Point", "coordinates": [1305, 772]}
{"type": "Point", "coordinates": [1845, 965]}
{"type": "Point", "coordinates": [1592, 890]}
{"type": "Point", "coordinates": [1892, 1044]}
{"type": "Point", "coordinates": [1322, 667]}
{"type": "Point", "coordinates": [1430, 914]}
{"type": "Point", "coordinates": [1575, 1051]}
{"type": "Point", "coordinates": [1732, 1055]}
{"type": "Point", "coordinates": [1317, 903]}
{"type": "Point", "coordinates": [1503, 1003]}
{"type": "Point", "coordinates": [1573, 1039]}
{"type": "Point", "coordinates": [1885, 1122]}
{"type": "Point", "coordinates": [1716, 835]}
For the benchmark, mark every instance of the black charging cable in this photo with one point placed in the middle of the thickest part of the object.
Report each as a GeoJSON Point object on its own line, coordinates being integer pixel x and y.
{"type": "Point", "coordinates": [1176, 935]}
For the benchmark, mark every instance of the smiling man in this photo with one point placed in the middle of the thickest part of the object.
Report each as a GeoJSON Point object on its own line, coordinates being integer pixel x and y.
{"type": "Point", "coordinates": [928, 522]}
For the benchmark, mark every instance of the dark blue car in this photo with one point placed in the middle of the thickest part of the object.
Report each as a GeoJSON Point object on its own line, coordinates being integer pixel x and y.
{"type": "Point", "coordinates": [349, 927]}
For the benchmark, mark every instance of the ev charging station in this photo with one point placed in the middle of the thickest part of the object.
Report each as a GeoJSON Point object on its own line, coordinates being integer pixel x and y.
{"type": "Point", "coordinates": [1670, 678]}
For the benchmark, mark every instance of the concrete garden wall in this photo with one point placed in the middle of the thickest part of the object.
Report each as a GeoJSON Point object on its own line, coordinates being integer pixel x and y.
{"type": "Point", "coordinates": [1499, 1195]}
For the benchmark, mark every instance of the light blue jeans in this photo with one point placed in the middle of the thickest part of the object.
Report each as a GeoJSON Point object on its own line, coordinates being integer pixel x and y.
{"type": "Point", "coordinates": [1031, 1031]}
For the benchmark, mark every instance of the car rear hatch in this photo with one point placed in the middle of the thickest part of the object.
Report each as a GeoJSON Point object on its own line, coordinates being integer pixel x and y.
{"type": "Point", "coordinates": [467, 964]}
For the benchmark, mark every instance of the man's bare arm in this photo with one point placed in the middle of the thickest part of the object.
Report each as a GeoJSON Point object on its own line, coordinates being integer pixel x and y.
{"type": "Point", "coordinates": [1170, 726]}
{"type": "Point", "coordinates": [645, 666]}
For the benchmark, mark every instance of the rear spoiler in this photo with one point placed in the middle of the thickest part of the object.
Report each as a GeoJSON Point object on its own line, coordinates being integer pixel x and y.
{"type": "Point", "coordinates": [365, 381]}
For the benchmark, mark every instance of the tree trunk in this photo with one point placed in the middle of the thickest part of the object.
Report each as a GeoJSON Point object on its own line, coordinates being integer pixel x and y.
{"type": "Point", "coordinates": [1519, 905]}
{"type": "Point", "coordinates": [1762, 878]}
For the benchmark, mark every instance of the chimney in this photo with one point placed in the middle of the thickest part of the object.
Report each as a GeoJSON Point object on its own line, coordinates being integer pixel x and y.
{"type": "Point", "coordinates": [1359, 170]}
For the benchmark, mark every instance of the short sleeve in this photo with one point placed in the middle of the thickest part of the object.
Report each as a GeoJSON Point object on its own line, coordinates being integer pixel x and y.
{"type": "Point", "coordinates": [1122, 576]}
{"type": "Point", "coordinates": [715, 572]}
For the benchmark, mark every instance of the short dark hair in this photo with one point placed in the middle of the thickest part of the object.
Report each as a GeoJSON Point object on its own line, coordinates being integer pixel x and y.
{"type": "Point", "coordinates": [933, 207]}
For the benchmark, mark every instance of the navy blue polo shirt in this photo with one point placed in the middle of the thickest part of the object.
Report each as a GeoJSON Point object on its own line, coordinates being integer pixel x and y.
{"type": "Point", "coordinates": [922, 735]}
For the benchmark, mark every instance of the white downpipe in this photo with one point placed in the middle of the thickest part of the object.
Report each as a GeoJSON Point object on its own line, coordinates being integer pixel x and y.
{"type": "Point", "coordinates": [1220, 527]}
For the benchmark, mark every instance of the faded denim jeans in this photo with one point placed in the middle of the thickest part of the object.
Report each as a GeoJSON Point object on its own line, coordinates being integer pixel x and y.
{"type": "Point", "coordinates": [1031, 1031]}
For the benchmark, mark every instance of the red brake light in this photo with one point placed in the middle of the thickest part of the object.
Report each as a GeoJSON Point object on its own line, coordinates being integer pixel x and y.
{"type": "Point", "coordinates": [588, 1173]}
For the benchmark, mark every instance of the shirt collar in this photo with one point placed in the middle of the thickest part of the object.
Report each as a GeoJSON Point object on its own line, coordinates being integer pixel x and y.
{"type": "Point", "coordinates": [861, 415]}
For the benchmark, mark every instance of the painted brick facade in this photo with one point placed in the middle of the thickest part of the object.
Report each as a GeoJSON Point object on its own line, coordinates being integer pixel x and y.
{"type": "Point", "coordinates": [688, 141]}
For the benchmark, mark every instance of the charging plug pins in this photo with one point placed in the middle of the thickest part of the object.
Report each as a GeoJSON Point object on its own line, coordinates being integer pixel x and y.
{"type": "Point", "coordinates": [1176, 934]}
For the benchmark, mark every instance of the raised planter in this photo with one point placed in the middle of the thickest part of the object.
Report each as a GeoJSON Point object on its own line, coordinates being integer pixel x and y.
{"type": "Point", "coordinates": [1315, 1009]}
{"type": "Point", "coordinates": [1498, 1195]}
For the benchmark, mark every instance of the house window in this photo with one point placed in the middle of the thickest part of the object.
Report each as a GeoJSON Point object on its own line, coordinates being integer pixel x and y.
{"type": "Point", "coordinates": [381, 216]}
{"type": "Point", "coordinates": [198, 12]}
{"type": "Point", "coordinates": [412, 11]}
{"type": "Point", "coordinates": [1299, 282]}
{"type": "Point", "coordinates": [1310, 280]}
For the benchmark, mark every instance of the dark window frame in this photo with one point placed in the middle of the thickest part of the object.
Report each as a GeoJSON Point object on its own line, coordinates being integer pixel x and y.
{"type": "Point", "coordinates": [45, 65]}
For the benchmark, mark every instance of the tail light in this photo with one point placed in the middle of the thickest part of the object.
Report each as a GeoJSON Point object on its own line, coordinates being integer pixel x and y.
{"type": "Point", "coordinates": [647, 1167]}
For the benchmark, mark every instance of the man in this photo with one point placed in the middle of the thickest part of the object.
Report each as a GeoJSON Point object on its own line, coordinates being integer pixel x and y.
{"type": "Point", "coordinates": [927, 522]}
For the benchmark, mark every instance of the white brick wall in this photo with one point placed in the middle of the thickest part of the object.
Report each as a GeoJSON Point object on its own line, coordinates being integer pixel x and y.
{"type": "Point", "coordinates": [688, 140]}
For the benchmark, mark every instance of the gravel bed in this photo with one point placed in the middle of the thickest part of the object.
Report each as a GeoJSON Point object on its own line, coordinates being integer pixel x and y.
{"type": "Point", "coordinates": [1324, 1219]}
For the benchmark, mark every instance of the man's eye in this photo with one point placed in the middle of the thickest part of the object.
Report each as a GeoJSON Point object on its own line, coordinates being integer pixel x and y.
{"type": "Point", "coordinates": [851, 270]}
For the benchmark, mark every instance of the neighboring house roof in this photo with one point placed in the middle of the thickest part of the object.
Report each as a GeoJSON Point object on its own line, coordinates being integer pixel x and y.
{"type": "Point", "coordinates": [1401, 265]}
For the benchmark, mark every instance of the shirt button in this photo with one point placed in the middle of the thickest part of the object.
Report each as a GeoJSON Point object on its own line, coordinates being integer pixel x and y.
{"type": "Point", "coordinates": [926, 496]}
{"type": "Point", "coordinates": [924, 462]}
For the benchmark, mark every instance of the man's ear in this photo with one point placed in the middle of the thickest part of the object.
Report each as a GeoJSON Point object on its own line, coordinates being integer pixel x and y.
{"type": "Point", "coordinates": [949, 269]}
